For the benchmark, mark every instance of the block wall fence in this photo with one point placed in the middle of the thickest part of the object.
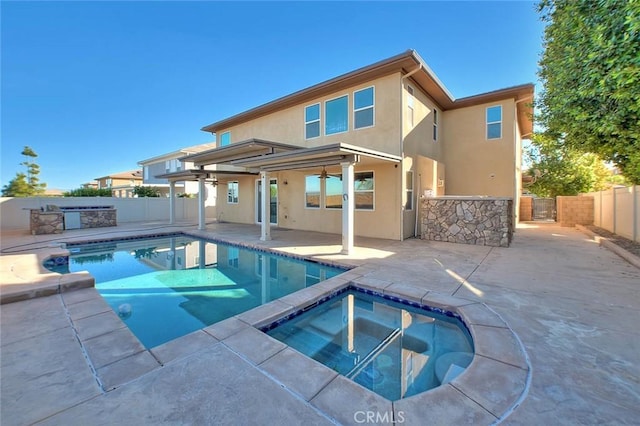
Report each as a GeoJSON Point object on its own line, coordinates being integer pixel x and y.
{"type": "Point", "coordinates": [14, 212]}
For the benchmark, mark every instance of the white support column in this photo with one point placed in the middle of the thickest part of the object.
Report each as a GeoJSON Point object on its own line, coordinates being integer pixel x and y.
{"type": "Point", "coordinates": [202, 192]}
{"type": "Point", "coordinates": [265, 232]}
{"type": "Point", "coordinates": [172, 202]}
{"type": "Point", "coordinates": [348, 207]}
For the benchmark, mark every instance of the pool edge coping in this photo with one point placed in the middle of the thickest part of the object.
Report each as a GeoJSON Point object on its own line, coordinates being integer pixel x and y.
{"type": "Point", "coordinates": [364, 279]}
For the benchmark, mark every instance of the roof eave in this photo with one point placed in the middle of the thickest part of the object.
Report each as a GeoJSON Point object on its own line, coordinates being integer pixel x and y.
{"type": "Point", "coordinates": [403, 63]}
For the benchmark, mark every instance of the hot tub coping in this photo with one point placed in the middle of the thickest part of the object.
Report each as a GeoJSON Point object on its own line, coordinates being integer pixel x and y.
{"type": "Point", "coordinates": [493, 385]}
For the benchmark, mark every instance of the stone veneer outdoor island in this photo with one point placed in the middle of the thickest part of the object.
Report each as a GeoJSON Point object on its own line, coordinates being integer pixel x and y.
{"type": "Point", "coordinates": [54, 220]}
{"type": "Point", "coordinates": [484, 221]}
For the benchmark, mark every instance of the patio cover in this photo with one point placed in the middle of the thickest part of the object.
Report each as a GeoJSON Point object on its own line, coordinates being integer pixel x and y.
{"type": "Point", "coordinates": [325, 155]}
{"type": "Point", "coordinates": [236, 151]}
{"type": "Point", "coordinates": [255, 156]}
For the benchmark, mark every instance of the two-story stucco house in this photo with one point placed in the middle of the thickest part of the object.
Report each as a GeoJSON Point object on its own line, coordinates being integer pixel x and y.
{"type": "Point", "coordinates": [169, 163]}
{"type": "Point", "coordinates": [354, 154]}
{"type": "Point", "coordinates": [122, 183]}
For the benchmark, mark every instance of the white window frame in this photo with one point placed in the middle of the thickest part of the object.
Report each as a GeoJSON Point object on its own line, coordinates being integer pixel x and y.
{"type": "Point", "coordinates": [323, 189]}
{"type": "Point", "coordinates": [486, 134]}
{"type": "Point", "coordinates": [409, 191]}
{"type": "Point", "coordinates": [372, 107]}
{"type": "Point", "coordinates": [320, 196]}
{"type": "Point", "coordinates": [221, 137]}
{"type": "Point", "coordinates": [435, 124]}
{"type": "Point", "coordinates": [373, 191]}
{"type": "Point", "coordinates": [319, 120]}
{"type": "Point", "coordinates": [346, 95]}
{"type": "Point", "coordinates": [229, 196]}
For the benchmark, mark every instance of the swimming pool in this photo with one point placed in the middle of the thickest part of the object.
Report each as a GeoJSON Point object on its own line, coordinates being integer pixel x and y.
{"type": "Point", "coordinates": [392, 348]}
{"type": "Point", "coordinates": [166, 287]}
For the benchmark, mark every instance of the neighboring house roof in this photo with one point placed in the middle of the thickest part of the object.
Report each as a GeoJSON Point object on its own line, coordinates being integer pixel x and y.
{"type": "Point", "coordinates": [179, 153]}
{"type": "Point", "coordinates": [131, 174]}
{"type": "Point", "coordinates": [408, 62]}
{"type": "Point", "coordinates": [53, 192]}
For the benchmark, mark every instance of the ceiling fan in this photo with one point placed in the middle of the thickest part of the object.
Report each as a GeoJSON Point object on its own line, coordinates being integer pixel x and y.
{"type": "Point", "coordinates": [324, 174]}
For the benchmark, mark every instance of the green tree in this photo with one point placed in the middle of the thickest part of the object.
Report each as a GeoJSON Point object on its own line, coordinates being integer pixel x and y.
{"type": "Point", "coordinates": [590, 70]}
{"type": "Point", "coordinates": [89, 192]}
{"type": "Point", "coordinates": [146, 191]}
{"type": "Point", "coordinates": [25, 185]}
{"type": "Point", "coordinates": [558, 169]}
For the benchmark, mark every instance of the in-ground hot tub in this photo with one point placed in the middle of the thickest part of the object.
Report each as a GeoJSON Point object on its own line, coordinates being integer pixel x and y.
{"type": "Point", "coordinates": [392, 348]}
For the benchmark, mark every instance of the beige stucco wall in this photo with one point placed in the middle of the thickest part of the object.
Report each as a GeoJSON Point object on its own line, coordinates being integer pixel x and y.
{"type": "Point", "coordinates": [475, 165]}
{"type": "Point", "coordinates": [422, 154]}
{"type": "Point", "coordinates": [382, 222]}
{"type": "Point", "coordinates": [418, 138]}
{"type": "Point", "coordinates": [288, 125]}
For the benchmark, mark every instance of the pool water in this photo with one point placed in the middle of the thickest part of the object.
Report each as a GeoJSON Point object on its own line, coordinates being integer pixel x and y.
{"type": "Point", "coordinates": [167, 287]}
{"type": "Point", "coordinates": [391, 348]}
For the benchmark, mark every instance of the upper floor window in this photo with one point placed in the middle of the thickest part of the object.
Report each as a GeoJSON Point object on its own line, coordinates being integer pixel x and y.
{"type": "Point", "coordinates": [494, 122]}
{"type": "Point", "coordinates": [232, 192]}
{"type": "Point", "coordinates": [363, 190]}
{"type": "Point", "coordinates": [312, 121]}
{"type": "Point", "coordinates": [146, 172]}
{"type": "Point", "coordinates": [363, 108]}
{"type": "Point", "coordinates": [336, 115]}
{"type": "Point", "coordinates": [225, 139]}
{"type": "Point", "coordinates": [435, 124]}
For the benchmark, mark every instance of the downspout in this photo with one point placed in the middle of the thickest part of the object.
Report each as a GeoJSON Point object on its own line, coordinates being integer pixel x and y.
{"type": "Point", "coordinates": [404, 77]}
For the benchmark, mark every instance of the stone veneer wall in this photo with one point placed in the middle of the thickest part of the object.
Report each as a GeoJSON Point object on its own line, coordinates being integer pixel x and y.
{"type": "Point", "coordinates": [52, 222]}
{"type": "Point", "coordinates": [98, 218]}
{"type": "Point", "coordinates": [484, 221]}
{"type": "Point", "coordinates": [46, 222]}
{"type": "Point", "coordinates": [574, 210]}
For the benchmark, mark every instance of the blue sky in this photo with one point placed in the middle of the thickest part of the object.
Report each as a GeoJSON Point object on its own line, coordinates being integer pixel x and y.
{"type": "Point", "coordinates": [95, 87]}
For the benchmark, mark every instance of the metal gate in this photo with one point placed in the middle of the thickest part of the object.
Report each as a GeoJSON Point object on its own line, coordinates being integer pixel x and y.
{"type": "Point", "coordinates": [544, 209]}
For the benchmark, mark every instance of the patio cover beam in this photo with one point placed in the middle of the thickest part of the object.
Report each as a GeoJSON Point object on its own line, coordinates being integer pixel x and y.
{"type": "Point", "coordinates": [239, 150]}
{"type": "Point", "coordinates": [303, 156]}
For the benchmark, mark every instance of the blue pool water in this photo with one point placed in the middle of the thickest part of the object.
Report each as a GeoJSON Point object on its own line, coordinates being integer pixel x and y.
{"type": "Point", "coordinates": [391, 348]}
{"type": "Point", "coordinates": [164, 288]}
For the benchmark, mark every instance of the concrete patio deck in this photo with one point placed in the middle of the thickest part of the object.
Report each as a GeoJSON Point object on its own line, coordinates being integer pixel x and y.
{"type": "Point", "coordinates": [574, 305]}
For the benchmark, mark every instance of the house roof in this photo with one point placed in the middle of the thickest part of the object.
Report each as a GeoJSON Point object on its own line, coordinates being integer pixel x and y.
{"type": "Point", "coordinates": [406, 63]}
{"type": "Point", "coordinates": [131, 174]}
{"type": "Point", "coordinates": [179, 153]}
